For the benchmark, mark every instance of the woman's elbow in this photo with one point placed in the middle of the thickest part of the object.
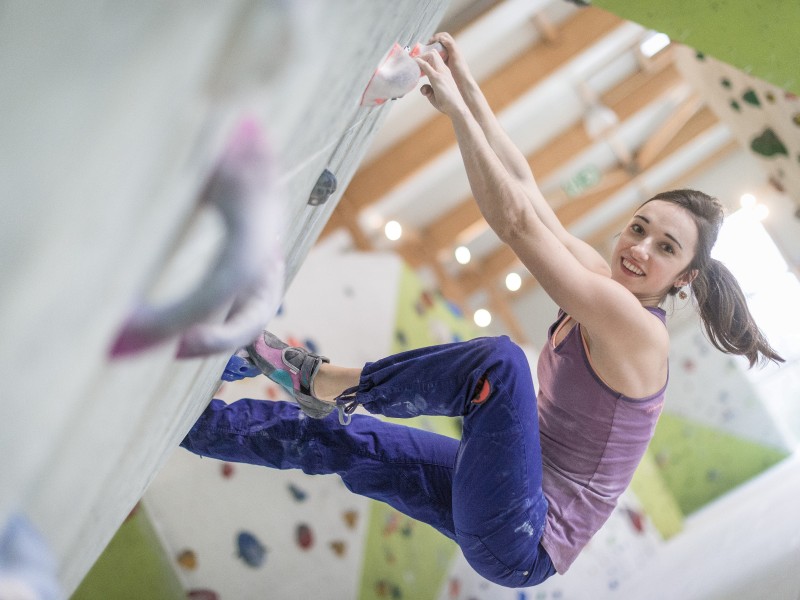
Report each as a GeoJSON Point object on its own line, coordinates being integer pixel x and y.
{"type": "Point", "coordinates": [514, 228]}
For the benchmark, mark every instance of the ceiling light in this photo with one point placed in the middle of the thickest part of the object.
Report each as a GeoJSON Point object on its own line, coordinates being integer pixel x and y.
{"type": "Point", "coordinates": [654, 43]}
{"type": "Point", "coordinates": [760, 211]}
{"type": "Point", "coordinates": [463, 255]}
{"type": "Point", "coordinates": [482, 317]}
{"type": "Point", "coordinates": [393, 230]}
{"type": "Point", "coordinates": [513, 281]}
{"type": "Point", "coordinates": [371, 219]}
{"type": "Point", "coordinates": [747, 200]}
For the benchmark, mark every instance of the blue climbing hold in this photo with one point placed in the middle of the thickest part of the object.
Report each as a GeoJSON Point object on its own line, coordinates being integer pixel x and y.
{"type": "Point", "coordinates": [238, 368]}
{"type": "Point", "coordinates": [251, 551]}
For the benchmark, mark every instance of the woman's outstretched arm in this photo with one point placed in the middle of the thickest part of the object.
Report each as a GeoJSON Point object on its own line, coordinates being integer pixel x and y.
{"type": "Point", "coordinates": [589, 295]}
{"type": "Point", "coordinates": [510, 157]}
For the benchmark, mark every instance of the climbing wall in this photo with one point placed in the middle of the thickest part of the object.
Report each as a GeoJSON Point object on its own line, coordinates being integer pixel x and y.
{"type": "Point", "coordinates": [764, 118]}
{"type": "Point", "coordinates": [757, 36]}
{"type": "Point", "coordinates": [115, 117]}
{"type": "Point", "coordinates": [627, 542]}
{"type": "Point", "coordinates": [716, 432]}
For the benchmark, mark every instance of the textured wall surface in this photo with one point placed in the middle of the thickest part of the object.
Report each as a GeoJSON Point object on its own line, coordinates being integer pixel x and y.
{"type": "Point", "coordinates": [757, 36]}
{"type": "Point", "coordinates": [114, 116]}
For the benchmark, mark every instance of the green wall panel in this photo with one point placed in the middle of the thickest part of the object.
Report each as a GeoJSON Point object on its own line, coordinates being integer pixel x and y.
{"type": "Point", "coordinates": [757, 36]}
{"type": "Point", "coordinates": [133, 566]}
{"type": "Point", "coordinates": [699, 463]}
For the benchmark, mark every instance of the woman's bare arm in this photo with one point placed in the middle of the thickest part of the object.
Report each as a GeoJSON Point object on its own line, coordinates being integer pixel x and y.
{"type": "Point", "coordinates": [510, 157]}
{"type": "Point", "coordinates": [602, 305]}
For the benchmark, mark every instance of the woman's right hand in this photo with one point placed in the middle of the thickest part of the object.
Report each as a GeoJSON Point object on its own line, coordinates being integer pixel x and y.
{"type": "Point", "coordinates": [455, 59]}
{"type": "Point", "coordinates": [441, 90]}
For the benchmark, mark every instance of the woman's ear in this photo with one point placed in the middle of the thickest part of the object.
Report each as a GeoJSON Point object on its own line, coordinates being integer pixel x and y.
{"type": "Point", "coordinates": [686, 278]}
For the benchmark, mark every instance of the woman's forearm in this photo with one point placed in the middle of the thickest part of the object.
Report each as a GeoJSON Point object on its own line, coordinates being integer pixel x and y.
{"type": "Point", "coordinates": [508, 153]}
{"type": "Point", "coordinates": [516, 164]}
{"type": "Point", "coordinates": [500, 196]}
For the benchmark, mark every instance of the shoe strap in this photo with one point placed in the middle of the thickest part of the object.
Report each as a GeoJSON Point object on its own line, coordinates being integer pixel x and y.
{"type": "Point", "coordinates": [308, 367]}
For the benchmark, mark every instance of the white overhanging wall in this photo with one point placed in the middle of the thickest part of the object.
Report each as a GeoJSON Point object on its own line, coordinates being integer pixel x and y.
{"type": "Point", "coordinates": [114, 115]}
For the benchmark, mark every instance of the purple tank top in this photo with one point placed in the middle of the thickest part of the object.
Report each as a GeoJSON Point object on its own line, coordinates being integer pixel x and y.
{"type": "Point", "coordinates": [592, 441]}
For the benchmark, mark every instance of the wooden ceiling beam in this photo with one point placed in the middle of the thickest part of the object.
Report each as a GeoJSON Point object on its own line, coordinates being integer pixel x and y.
{"type": "Point", "coordinates": [485, 272]}
{"type": "Point", "coordinates": [546, 28]}
{"type": "Point", "coordinates": [433, 137]}
{"type": "Point", "coordinates": [416, 256]}
{"type": "Point", "coordinates": [659, 140]}
{"type": "Point", "coordinates": [344, 216]}
{"type": "Point", "coordinates": [501, 308]}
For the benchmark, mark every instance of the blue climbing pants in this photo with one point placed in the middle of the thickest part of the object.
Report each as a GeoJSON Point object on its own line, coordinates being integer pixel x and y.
{"type": "Point", "coordinates": [484, 491]}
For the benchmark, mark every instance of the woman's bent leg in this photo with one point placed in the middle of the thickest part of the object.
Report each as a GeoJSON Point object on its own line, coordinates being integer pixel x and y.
{"type": "Point", "coordinates": [499, 509]}
{"type": "Point", "coordinates": [409, 469]}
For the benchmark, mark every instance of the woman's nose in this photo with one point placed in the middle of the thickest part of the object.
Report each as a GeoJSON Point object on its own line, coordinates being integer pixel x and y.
{"type": "Point", "coordinates": [642, 249]}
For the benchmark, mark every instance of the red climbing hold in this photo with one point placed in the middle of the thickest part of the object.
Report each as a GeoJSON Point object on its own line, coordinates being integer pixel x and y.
{"type": "Point", "coordinates": [305, 539]}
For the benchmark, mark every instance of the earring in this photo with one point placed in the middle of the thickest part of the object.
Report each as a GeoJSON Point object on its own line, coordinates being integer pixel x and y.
{"type": "Point", "coordinates": [682, 294]}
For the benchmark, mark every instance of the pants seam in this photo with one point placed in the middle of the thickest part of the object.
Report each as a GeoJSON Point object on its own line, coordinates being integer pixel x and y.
{"type": "Point", "coordinates": [399, 462]}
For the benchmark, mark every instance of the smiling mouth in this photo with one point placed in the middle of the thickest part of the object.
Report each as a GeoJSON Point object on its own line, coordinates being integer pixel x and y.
{"type": "Point", "coordinates": [631, 268]}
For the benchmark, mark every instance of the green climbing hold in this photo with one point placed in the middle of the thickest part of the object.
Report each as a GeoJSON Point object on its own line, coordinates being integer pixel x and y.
{"type": "Point", "coordinates": [796, 119]}
{"type": "Point", "coordinates": [768, 144]}
{"type": "Point", "coordinates": [735, 106]}
{"type": "Point", "coordinates": [750, 97]}
{"type": "Point", "coordinates": [726, 83]}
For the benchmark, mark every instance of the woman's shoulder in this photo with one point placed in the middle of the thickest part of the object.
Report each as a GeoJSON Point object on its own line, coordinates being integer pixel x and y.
{"type": "Point", "coordinates": [635, 365]}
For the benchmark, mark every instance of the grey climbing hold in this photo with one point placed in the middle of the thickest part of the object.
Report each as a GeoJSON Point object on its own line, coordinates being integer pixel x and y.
{"type": "Point", "coordinates": [325, 186]}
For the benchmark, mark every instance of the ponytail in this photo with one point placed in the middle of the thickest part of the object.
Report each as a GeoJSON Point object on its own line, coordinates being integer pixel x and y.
{"type": "Point", "coordinates": [720, 301]}
{"type": "Point", "coordinates": [726, 317]}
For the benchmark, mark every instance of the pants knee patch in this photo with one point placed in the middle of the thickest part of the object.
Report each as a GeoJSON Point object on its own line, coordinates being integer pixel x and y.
{"type": "Point", "coordinates": [482, 390]}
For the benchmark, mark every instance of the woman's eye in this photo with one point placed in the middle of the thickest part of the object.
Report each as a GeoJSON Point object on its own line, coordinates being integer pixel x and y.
{"type": "Point", "coordinates": [636, 228]}
{"type": "Point", "coordinates": [669, 249]}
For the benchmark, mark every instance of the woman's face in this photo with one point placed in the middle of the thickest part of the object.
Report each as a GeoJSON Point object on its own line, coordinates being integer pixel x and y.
{"type": "Point", "coordinates": [654, 251]}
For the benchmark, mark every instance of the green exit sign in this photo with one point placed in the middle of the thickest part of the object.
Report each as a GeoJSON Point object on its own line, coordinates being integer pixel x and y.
{"type": "Point", "coordinates": [582, 180]}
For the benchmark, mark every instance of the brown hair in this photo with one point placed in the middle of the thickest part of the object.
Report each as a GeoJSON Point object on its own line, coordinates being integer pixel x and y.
{"type": "Point", "coordinates": [720, 300]}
